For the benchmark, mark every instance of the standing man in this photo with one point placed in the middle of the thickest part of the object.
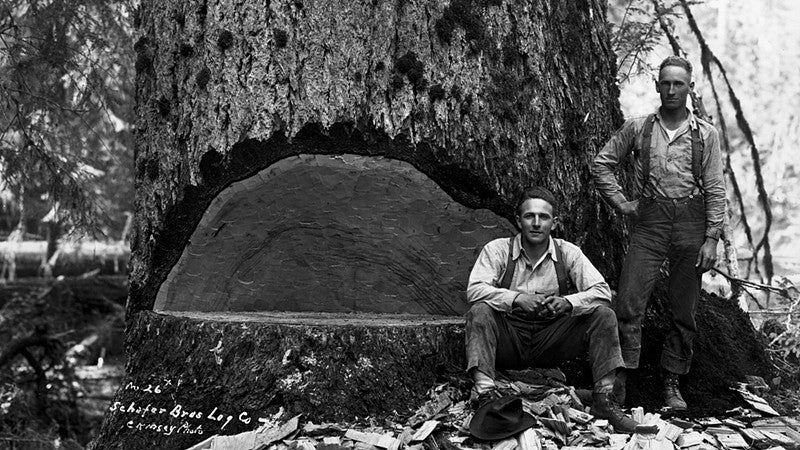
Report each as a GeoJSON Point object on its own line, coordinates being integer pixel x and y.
{"type": "Point", "coordinates": [677, 211]}
{"type": "Point", "coordinates": [538, 301]}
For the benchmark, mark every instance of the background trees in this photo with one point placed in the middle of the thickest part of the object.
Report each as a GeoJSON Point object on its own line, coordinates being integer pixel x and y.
{"type": "Point", "coordinates": [66, 71]}
{"type": "Point", "coordinates": [759, 47]}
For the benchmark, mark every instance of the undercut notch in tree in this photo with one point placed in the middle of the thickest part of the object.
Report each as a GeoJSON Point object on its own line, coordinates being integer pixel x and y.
{"type": "Point", "coordinates": [308, 211]}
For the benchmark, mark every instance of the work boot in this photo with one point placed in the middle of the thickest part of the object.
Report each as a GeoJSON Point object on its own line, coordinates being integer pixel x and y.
{"type": "Point", "coordinates": [672, 393]}
{"type": "Point", "coordinates": [478, 398]}
{"type": "Point", "coordinates": [619, 386]}
{"type": "Point", "coordinates": [604, 406]}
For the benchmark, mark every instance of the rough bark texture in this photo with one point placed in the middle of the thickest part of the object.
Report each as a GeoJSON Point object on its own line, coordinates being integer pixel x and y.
{"type": "Point", "coordinates": [332, 368]}
{"type": "Point", "coordinates": [483, 97]}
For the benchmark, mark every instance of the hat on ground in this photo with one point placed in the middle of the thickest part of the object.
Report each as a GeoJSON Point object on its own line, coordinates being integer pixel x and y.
{"type": "Point", "coordinates": [499, 419]}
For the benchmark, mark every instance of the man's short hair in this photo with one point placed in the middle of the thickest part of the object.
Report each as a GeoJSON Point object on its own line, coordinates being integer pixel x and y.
{"type": "Point", "coordinates": [676, 61]}
{"type": "Point", "coordinates": [536, 192]}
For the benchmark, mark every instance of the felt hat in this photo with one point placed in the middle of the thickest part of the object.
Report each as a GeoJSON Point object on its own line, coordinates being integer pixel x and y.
{"type": "Point", "coordinates": [499, 419]}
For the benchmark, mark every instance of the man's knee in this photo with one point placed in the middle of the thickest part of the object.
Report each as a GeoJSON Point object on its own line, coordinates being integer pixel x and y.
{"type": "Point", "coordinates": [480, 313]}
{"type": "Point", "coordinates": [604, 316]}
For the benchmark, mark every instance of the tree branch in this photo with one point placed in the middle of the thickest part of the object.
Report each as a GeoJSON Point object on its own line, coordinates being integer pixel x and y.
{"type": "Point", "coordinates": [697, 101]}
{"type": "Point", "coordinates": [20, 345]}
{"type": "Point", "coordinates": [41, 381]}
{"type": "Point", "coordinates": [673, 42]}
{"type": "Point", "coordinates": [707, 57]}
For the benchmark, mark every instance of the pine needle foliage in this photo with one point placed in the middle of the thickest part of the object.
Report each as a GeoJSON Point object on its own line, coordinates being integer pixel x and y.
{"type": "Point", "coordinates": [635, 32]}
{"type": "Point", "coordinates": [66, 77]}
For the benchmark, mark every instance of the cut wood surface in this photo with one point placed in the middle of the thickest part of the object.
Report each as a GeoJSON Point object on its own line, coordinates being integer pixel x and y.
{"type": "Point", "coordinates": [332, 233]}
{"type": "Point", "coordinates": [505, 95]}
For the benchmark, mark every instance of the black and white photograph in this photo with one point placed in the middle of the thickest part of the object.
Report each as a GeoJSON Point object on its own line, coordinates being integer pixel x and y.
{"type": "Point", "coordinates": [399, 224]}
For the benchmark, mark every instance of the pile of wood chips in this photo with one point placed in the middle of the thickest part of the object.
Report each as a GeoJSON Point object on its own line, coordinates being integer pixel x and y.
{"type": "Point", "coordinates": [563, 421]}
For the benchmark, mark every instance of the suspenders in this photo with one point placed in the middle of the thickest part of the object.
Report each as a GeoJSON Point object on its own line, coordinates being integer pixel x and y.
{"type": "Point", "coordinates": [647, 143]}
{"type": "Point", "coordinates": [561, 271]}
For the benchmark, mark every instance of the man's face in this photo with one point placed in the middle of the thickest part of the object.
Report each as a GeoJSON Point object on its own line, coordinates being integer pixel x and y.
{"type": "Point", "coordinates": [673, 87]}
{"type": "Point", "coordinates": [535, 220]}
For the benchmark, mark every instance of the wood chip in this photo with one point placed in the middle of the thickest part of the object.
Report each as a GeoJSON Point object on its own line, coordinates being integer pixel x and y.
{"type": "Point", "coordinates": [506, 444]}
{"type": "Point", "coordinates": [575, 399]}
{"type": "Point", "coordinates": [556, 425]}
{"type": "Point", "coordinates": [405, 436]}
{"type": "Point", "coordinates": [758, 403]}
{"type": "Point", "coordinates": [431, 408]}
{"type": "Point", "coordinates": [778, 437]}
{"type": "Point", "coordinates": [312, 429]}
{"type": "Point", "coordinates": [734, 423]}
{"type": "Point", "coordinates": [731, 440]}
{"type": "Point", "coordinates": [234, 442]}
{"type": "Point", "coordinates": [792, 422]}
{"type": "Point", "coordinates": [752, 435]}
{"type": "Point", "coordinates": [795, 435]}
{"type": "Point", "coordinates": [554, 399]}
{"type": "Point", "coordinates": [579, 416]}
{"type": "Point", "coordinates": [426, 429]}
{"type": "Point", "coordinates": [205, 445]}
{"type": "Point", "coordinates": [689, 439]}
{"type": "Point", "coordinates": [300, 444]}
{"type": "Point", "coordinates": [535, 408]}
{"type": "Point", "coordinates": [549, 445]}
{"type": "Point", "coordinates": [709, 421]}
{"type": "Point", "coordinates": [266, 437]}
{"type": "Point", "coordinates": [363, 446]}
{"type": "Point", "coordinates": [667, 431]}
{"type": "Point", "coordinates": [615, 439]}
{"type": "Point", "coordinates": [637, 414]}
{"type": "Point", "coordinates": [529, 440]}
{"type": "Point", "coordinates": [457, 408]}
{"type": "Point", "coordinates": [374, 439]}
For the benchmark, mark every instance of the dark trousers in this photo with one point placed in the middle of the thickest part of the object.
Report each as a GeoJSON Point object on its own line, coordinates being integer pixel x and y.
{"type": "Point", "coordinates": [665, 229]}
{"type": "Point", "coordinates": [504, 341]}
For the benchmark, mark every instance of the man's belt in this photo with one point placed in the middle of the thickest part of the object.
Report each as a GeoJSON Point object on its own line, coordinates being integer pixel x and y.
{"type": "Point", "coordinates": [674, 201]}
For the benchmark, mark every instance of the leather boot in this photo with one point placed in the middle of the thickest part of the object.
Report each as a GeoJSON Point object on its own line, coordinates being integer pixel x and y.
{"type": "Point", "coordinates": [604, 406]}
{"type": "Point", "coordinates": [672, 393]}
{"type": "Point", "coordinates": [478, 398]}
{"type": "Point", "coordinates": [619, 386]}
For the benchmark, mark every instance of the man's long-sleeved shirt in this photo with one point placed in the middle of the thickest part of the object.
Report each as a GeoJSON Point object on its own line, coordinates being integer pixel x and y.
{"type": "Point", "coordinates": [535, 277]}
{"type": "Point", "coordinates": [670, 166]}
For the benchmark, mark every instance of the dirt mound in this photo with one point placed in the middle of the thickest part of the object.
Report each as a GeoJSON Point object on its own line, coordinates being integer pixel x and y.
{"type": "Point", "coordinates": [727, 348]}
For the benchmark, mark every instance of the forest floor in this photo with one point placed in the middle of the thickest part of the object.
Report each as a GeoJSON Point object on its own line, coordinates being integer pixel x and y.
{"type": "Point", "coordinates": [81, 363]}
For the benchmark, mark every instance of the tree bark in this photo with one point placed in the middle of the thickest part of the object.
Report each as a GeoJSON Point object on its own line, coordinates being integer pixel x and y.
{"type": "Point", "coordinates": [523, 93]}
{"type": "Point", "coordinates": [247, 366]}
{"type": "Point", "coordinates": [483, 97]}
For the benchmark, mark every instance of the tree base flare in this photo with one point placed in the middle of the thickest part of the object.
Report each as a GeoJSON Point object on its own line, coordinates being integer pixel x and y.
{"type": "Point", "coordinates": [191, 377]}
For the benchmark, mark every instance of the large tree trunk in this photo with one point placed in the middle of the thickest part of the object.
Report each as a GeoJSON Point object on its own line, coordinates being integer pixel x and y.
{"type": "Point", "coordinates": [523, 93]}
{"type": "Point", "coordinates": [482, 98]}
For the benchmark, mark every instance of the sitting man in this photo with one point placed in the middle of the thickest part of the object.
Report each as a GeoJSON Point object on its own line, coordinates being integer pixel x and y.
{"type": "Point", "coordinates": [523, 315]}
